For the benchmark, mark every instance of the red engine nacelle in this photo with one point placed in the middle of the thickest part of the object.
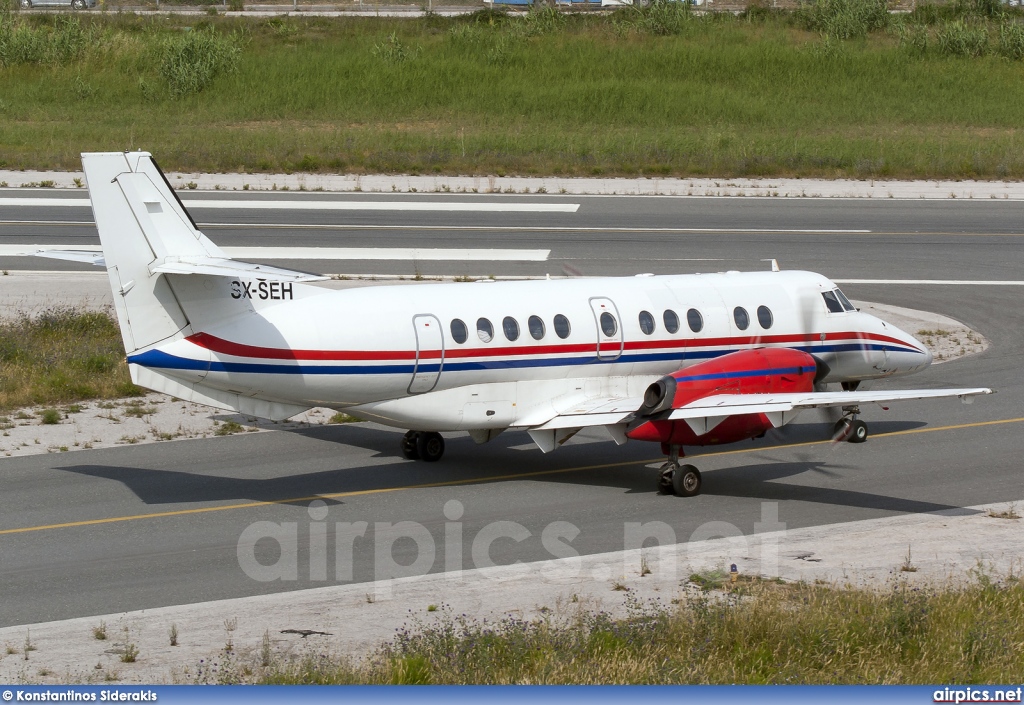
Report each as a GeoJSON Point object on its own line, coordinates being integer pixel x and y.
{"type": "Point", "coordinates": [759, 371]}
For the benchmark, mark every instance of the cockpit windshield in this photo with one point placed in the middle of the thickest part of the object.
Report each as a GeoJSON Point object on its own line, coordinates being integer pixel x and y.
{"type": "Point", "coordinates": [837, 302]}
{"type": "Point", "coordinates": [832, 302]}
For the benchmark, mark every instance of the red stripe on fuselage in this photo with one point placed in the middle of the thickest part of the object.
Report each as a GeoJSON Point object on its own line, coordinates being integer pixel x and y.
{"type": "Point", "coordinates": [227, 347]}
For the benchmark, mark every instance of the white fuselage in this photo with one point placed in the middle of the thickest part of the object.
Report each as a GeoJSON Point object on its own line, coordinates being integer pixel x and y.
{"type": "Point", "coordinates": [398, 354]}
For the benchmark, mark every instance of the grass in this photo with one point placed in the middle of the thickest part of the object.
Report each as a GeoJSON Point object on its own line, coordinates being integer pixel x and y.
{"type": "Point", "coordinates": [636, 92]}
{"type": "Point", "coordinates": [341, 417]}
{"type": "Point", "coordinates": [229, 428]}
{"type": "Point", "coordinates": [61, 356]}
{"type": "Point", "coordinates": [762, 633]}
{"type": "Point", "coordinates": [1009, 513]}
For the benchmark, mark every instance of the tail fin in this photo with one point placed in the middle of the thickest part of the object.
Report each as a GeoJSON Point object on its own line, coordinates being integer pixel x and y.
{"type": "Point", "coordinates": [152, 249]}
{"type": "Point", "coordinates": [141, 224]}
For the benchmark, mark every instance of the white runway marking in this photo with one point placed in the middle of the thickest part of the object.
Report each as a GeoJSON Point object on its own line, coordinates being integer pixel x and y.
{"type": "Point", "coordinates": [335, 253]}
{"type": "Point", "coordinates": [443, 206]}
{"type": "Point", "coordinates": [941, 282]}
{"type": "Point", "coordinates": [388, 253]}
{"type": "Point", "coordinates": [475, 228]}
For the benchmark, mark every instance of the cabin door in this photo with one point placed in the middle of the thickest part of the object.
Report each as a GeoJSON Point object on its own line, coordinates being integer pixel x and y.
{"type": "Point", "coordinates": [429, 353]}
{"type": "Point", "coordinates": [609, 328]}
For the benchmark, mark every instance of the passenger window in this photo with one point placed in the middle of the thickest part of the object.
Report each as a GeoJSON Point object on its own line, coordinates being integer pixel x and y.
{"type": "Point", "coordinates": [511, 328]}
{"type": "Point", "coordinates": [459, 331]}
{"type": "Point", "coordinates": [608, 324]}
{"type": "Point", "coordinates": [832, 302]}
{"type": "Point", "coordinates": [695, 320]}
{"type": "Point", "coordinates": [742, 318]}
{"type": "Point", "coordinates": [764, 317]}
{"type": "Point", "coordinates": [562, 329]}
{"type": "Point", "coordinates": [484, 330]}
{"type": "Point", "coordinates": [671, 320]}
{"type": "Point", "coordinates": [646, 322]}
{"type": "Point", "coordinates": [844, 301]}
{"type": "Point", "coordinates": [536, 325]}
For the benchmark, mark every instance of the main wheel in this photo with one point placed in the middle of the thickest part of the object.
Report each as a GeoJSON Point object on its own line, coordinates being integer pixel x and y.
{"type": "Point", "coordinates": [665, 478]}
{"type": "Point", "coordinates": [858, 431]}
{"type": "Point", "coordinates": [430, 446]}
{"type": "Point", "coordinates": [409, 449]}
{"type": "Point", "coordinates": [26, 4]}
{"type": "Point", "coordinates": [686, 481]}
{"type": "Point", "coordinates": [78, 4]}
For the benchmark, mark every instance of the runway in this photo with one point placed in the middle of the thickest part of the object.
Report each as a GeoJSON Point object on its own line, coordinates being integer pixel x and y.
{"type": "Point", "coordinates": [102, 531]}
{"type": "Point", "coordinates": [604, 235]}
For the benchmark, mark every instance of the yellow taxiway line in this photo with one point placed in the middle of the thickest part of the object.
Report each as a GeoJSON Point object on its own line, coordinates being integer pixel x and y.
{"type": "Point", "coordinates": [468, 481]}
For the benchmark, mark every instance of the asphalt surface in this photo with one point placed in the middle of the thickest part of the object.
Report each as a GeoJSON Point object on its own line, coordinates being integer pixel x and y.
{"type": "Point", "coordinates": [109, 553]}
{"type": "Point", "coordinates": [953, 239]}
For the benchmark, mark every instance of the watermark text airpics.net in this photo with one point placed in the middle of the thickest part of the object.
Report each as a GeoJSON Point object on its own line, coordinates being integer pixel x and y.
{"type": "Point", "coordinates": [978, 695]}
{"type": "Point", "coordinates": [421, 552]}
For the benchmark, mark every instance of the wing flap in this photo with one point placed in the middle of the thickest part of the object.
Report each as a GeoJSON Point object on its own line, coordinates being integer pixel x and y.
{"type": "Point", "coordinates": [733, 404]}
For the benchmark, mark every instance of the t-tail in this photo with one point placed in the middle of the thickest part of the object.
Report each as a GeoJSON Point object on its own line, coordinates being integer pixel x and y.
{"type": "Point", "coordinates": [168, 279]}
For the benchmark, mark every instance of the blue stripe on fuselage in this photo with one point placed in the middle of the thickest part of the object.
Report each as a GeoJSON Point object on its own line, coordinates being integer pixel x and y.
{"type": "Point", "coordinates": [161, 360]}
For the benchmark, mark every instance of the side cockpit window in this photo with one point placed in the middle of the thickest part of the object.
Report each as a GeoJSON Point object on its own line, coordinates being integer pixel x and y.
{"type": "Point", "coordinates": [832, 302]}
{"type": "Point", "coordinates": [844, 301]}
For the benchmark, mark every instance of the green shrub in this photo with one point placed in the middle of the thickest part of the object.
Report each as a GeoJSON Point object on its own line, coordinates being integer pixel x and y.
{"type": "Point", "coordinates": [191, 62]}
{"type": "Point", "coordinates": [914, 39]}
{"type": "Point", "coordinates": [1011, 40]}
{"type": "Point", "coordinates": [393, 50]}
{"type": "Point", "coordinates": [980, 8]}
{"type": "Point", "coordinates": [660, 17]}
{"type": "Point", "coordinates": [49, 417]}
{"type": "Point", "coordinates": [960, 38]}
{"type": "Point", "coordinates": [843, 19]}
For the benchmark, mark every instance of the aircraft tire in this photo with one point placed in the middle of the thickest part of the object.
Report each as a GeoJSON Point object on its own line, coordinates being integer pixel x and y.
{"type": "Point", "coordinates": [858, 431]}
{"type": "Point", "coordinates": [430, 446]}
{"type": "Point", "coordinates": [409, 445]}
{"type": "Point", "coordinates": [686, 481]}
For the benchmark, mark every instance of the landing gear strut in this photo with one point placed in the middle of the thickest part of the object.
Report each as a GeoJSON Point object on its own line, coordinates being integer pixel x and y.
{"type": "Point", "coordinates": [680, 480]}
{"type": "Point", "coordinates": [850, 428]}
{"type": "Point", "coordinates": [423, 445]}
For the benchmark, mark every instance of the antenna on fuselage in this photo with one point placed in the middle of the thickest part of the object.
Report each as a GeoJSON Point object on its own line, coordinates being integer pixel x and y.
{"type": "Point", "coordinates": [775, 264]}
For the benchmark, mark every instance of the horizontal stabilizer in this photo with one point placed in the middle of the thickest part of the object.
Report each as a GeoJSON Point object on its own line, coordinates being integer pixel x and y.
{"type": "Point", "coordinates": [211, 266]}
{"type": "Point", "coordinates": [219, 267]}
{"type": "Point", "coordinates": [86, 256]}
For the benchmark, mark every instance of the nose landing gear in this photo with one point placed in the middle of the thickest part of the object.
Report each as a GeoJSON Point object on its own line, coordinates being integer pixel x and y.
{"type": "Point", "coordinates": [423, 445]}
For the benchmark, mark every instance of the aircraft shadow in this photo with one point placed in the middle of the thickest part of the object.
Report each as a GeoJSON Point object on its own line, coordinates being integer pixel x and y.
{"type": "Point", "coordinates": [469, 464]}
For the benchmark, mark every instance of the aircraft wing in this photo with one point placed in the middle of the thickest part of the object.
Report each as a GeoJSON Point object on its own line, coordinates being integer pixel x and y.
{"type": "Point", "coordinates": [613, 413]}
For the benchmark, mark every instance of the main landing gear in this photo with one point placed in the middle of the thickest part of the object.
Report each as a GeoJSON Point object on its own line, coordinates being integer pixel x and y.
{"type": "Point", "coordinates": [850, 428]}
{"type": "Point", "coordinates": [680, 480]}
{"type": "Point", "coordinates": [423, 445]}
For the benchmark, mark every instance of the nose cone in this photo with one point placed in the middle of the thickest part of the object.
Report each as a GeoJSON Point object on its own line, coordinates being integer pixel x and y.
{"type": "Point", "coordinates": [911, 355]}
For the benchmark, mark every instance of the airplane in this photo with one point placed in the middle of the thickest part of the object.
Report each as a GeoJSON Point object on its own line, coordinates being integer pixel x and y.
{"type": "Point", "coordinates": [681, 360]}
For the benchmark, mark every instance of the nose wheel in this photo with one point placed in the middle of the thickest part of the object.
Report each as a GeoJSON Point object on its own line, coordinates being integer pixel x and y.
{"type": "Point", "coordinates": [680, 480]}
{"type": "Point", "coordinates": [423, 445]}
